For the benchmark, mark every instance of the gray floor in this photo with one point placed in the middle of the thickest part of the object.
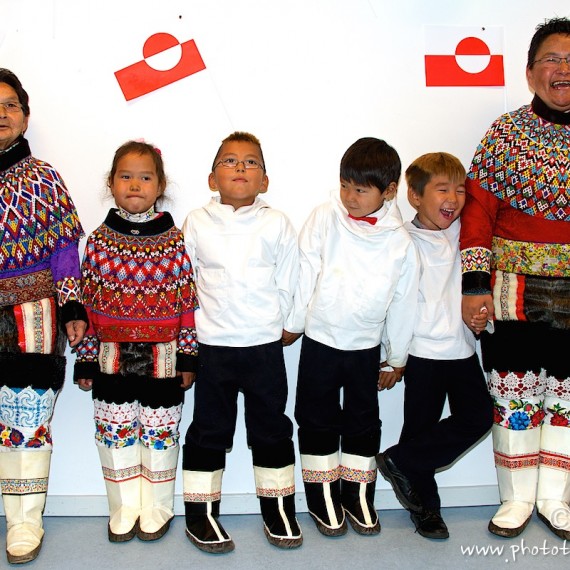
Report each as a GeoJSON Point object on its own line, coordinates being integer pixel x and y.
{"type": "Point", "coordinates": [77, 543]}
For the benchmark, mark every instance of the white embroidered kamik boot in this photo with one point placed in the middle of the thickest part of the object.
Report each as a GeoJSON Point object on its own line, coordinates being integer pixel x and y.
{"type": "Point", "coordinates": [516, 460]}
{"type": "Point", "coordinates": [122, 473]}
{"type": "Point", "coordinates": [24, 481]}
{"type": "Point", "coordinates": [553, 493]}
{"type": "Point", "coordinates": [157, 491]}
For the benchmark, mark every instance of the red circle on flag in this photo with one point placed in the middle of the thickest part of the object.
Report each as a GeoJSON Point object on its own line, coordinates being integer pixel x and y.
{"type": "Point", "coordinates": [472, 46]}
{"type": "Point", "coordinates": [158, 43]}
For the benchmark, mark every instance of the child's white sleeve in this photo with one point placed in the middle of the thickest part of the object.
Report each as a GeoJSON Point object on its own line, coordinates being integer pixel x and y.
{"type": "Point", "coordinates": [310, 240]}
{"type": "Point", "coordinates": [189, 240]}
{"type": "Point", "coordinates": [401, 314]}
{"type": "Point", "coordinates": [287, 267]}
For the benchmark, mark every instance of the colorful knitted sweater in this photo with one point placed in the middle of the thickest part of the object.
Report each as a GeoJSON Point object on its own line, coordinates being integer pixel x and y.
{"type": "Point", "coordinates": [137, 287]}
{"type": "Point", "coordinates": [516, 218]}
{"type": "Point", "coordinates": [39, 234]}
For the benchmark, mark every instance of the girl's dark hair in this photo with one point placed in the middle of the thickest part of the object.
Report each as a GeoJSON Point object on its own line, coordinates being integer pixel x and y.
{"type": "Point", "coordinates": [141, 148]}
{"type": "Point", "coordinates": [371, 162]}
{"type": "Point", "coordinates": [10, 78]}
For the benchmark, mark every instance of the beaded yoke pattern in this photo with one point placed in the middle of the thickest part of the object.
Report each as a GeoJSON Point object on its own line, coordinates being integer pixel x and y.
{"type": "Point", "coordinates": [138, 286]}
{"type": "Point", "coordinates": [37, 216]}
{"type": "Point", "coordinates": [525, 161]}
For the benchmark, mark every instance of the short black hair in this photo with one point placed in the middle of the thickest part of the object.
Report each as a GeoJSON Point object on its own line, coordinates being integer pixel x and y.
{"type": "Point", "coordinates": [543, 31]}
{"type": "Point", "coordinates": [240, 136]}
{"type": "Point", "coordinates": [10, 78]}
{"type": "Point", "coordinates": [371, 162]}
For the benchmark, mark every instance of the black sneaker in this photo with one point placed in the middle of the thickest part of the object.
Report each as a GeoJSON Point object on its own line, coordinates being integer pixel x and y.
{"type": "Point", "coordinates": [430, 524]}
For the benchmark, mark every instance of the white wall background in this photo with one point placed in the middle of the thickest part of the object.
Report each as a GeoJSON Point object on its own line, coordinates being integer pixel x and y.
{"type": "Point", "coordinates": [308, 77]}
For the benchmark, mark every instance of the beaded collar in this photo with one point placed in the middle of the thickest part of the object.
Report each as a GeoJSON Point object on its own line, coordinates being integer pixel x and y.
{"type": "Point", "coordinates": [150, 214]}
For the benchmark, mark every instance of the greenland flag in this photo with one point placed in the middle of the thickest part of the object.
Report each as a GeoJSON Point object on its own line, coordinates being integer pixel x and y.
{"type": "Point", "coordinates": [165, 60]}
{"type": "Point", "coordinates": [464, 56]}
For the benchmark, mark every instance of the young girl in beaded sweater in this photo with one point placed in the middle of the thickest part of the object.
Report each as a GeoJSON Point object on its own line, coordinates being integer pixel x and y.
{"type": "Point", "coordinates": [140, 350]}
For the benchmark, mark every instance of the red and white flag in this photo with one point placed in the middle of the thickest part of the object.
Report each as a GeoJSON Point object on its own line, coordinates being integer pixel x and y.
{"type": "Point", "coordinates": [464, 56]}
{"type": "Point", "coordinates": [165, 60]}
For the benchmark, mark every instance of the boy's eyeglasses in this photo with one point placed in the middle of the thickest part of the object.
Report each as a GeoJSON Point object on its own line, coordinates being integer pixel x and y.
{"type": "Point", "coordinates": [248, 164]}
{"type": "Point", "coordinates": [11, 107]}
{"type": "Point", "coordinates": [553, 60]}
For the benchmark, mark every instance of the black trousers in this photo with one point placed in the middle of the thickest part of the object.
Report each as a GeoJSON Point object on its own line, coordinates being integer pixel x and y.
{"type": "Point", "coordinates": [258, 372]}
{"type": "Point", "coordinates": [427, 441]}
{"type": "Point", "coordinates": [322, 418]}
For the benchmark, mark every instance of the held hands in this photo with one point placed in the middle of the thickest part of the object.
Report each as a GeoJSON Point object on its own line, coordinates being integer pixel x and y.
{"type": "Point", "coordinates": [479, 321]}
{"type": "Point", "coordinates": [75, 331]}
{"type": "Point", "coordinates": [476, 311]}
{"type": "Point", "coordinates": [288, 338]}
{"type": "Point", "coordinates": [187, 379]}
{"type": "Point", "coordinates": [387, 378]}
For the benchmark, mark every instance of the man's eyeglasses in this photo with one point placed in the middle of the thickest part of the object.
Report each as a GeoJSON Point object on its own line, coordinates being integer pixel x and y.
{"type": "Point", "coordinates": [553, 60]}
{"type": "Point", "coordinates": [248, 164]}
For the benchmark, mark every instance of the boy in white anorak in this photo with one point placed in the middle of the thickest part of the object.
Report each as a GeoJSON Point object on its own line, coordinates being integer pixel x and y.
{"type": "Point", "coordinates": [358, 285]}
{"type": "Point", "coordinates": [442, 363]}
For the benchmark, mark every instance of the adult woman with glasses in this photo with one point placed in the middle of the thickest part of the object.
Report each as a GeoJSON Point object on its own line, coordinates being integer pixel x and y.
{"type": "Point", "coordinates": [39, 308]}
{"type": "Point", "coordinates": [515, 242]}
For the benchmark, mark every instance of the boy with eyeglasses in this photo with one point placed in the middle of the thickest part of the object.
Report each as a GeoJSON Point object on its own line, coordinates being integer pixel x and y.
{"type": "Point", "coordinates": [358, 285]}
{"type": "Point", "coordinates": [246, 261]}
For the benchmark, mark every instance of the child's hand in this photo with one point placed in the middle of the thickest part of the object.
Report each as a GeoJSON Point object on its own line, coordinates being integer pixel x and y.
{"type": "Point", "coordinates": [85, 384]}
{"type": "Point", "coordinates": [75, 331]}
{"type": "Point", "coordinates": [288, 338]}
{"type": "Point", "coordinates": [187, 379]}
{"type": "Point", "coordinates": [387, 378]}
{"type": "Point", "coordinates": [479, 321]}
{"type": "Point", "coordinates": [473, 305]}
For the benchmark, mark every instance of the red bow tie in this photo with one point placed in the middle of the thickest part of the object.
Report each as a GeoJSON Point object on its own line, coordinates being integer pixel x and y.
{"type": "Point", "coordinates": [370, 219]}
